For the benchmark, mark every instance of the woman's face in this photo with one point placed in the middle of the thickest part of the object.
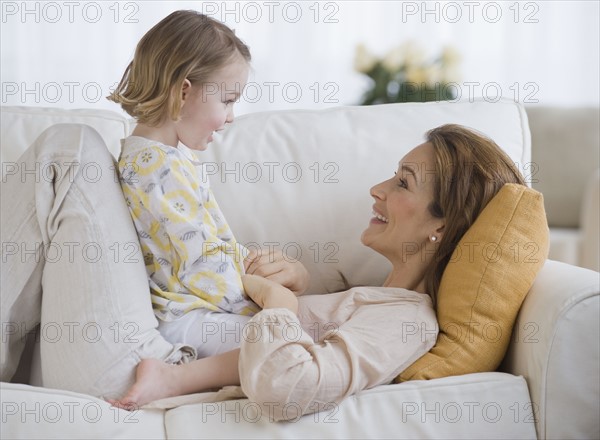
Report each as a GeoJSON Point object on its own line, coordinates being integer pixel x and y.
{"type": "Point", "coordinates": [402, 225]}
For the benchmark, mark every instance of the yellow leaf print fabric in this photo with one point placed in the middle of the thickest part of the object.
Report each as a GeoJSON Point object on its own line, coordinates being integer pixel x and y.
{"type": "Point", "coordinates": [191, 256]}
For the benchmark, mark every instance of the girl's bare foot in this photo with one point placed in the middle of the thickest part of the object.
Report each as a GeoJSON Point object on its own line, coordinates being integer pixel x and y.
{"type": "Point", "coordinates": [153, 381]}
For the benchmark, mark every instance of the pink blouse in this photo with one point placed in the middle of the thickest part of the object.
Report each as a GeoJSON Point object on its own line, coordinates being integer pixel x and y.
{"type": "Point", "coordinates": [338, 345]}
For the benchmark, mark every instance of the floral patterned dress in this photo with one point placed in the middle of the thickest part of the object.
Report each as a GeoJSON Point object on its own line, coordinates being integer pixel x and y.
{"type": "Point", "coordinates": [191, 256]}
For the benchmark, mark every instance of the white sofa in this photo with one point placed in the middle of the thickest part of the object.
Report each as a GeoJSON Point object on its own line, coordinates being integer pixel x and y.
{"type": "Point", "coordinates": [565, 153]}
{"type": "Point", "coordinates": [300, 180]}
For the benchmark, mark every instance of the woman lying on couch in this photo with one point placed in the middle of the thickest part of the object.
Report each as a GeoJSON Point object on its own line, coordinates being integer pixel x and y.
{"type": "Point", "coordinates": [313, 351]}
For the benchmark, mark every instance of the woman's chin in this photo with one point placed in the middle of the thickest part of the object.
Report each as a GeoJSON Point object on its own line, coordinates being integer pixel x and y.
{"type": "Point", "coordinates": [365, 238]}
{"type": "Point", "coordinates": [369, 239]}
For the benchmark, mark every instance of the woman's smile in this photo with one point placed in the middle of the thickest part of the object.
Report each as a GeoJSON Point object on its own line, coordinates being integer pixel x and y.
{"type": "Point", "coordinates": [378, 218]}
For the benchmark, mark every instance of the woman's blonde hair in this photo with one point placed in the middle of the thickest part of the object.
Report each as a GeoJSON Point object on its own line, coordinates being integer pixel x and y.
{"type": "Point", "coordinates": [184, 45]}
{"type": "Point", "coordinates": [470, 170]}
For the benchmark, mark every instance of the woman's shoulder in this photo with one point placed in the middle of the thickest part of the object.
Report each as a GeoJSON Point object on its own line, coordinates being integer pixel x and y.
{"type": "Point", "coordinates": [393, 303]}
{"type": "Point", "coordinates": [376, 294]}
{"type": "Point", "coordinates": [377, 314]}
{"type": "Point", "coordinates": [370, 295]}
{"type": "Point", "coordinates": [368, 303]}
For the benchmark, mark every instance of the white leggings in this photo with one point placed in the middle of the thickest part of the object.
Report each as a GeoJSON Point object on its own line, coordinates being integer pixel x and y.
{"type": "Point", "coordinates": [210, 333]}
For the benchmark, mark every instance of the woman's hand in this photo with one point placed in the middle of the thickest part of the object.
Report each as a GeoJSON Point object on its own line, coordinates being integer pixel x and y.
{"type": "Point", "coordinates": [276, 267]}
{"type": "Point", "coordinates": [268, 294]}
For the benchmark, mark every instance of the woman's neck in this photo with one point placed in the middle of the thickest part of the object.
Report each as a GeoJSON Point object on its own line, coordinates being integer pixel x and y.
{"type": "Point", "coordinates": [406, 279]}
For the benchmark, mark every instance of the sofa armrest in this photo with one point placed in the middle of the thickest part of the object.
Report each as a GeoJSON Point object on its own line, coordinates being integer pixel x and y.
{"type": "Point", "coordinates": [555, 347]}
{"type": "Point", "coordinates": [590, 221]}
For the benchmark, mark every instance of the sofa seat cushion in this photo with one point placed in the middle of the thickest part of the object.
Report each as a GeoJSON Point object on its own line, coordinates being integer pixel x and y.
{"type": "Point", "coordinates": [474, 406]}
{"type": "Point", "coordinates": [469, 406]}
{"type": "Point", "coordinates": [33, 412]}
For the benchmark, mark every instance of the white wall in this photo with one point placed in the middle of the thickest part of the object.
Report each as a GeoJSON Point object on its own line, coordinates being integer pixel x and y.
{"type": "Point", "coordinates": [70, 53]}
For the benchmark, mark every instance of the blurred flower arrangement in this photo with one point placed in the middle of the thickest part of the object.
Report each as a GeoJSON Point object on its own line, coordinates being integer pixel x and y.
{"type": "Point", "coordinates": [406, 75]}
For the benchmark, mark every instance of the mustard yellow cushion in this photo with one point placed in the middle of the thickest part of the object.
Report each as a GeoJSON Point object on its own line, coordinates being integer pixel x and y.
{"type": "Point", "coordinates": [484, 285]}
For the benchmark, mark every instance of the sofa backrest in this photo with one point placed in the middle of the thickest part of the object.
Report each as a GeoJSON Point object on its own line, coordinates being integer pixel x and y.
{"type": "Point", "coordinates": [299, 179]}
{"type": "Point", "coordinates": [22, 125]}
{"type": "Point", "coordinates": [323, 164]}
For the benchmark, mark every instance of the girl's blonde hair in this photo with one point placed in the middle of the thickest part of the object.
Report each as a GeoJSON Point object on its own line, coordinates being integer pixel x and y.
{"type": "Point", "coordinates": [470, 170]}
{"type": "Point", "coordinates": [184, 45]}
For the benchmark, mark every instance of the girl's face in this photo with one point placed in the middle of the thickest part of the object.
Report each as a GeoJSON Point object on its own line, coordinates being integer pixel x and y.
{"type": "Point", "coordinates": [207, 108]}
{"type": "Point", "coordinates": [402, 225]}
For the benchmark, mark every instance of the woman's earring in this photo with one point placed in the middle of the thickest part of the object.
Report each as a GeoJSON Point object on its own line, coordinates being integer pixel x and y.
{"type": "Point", "coordinates": [433, 238]}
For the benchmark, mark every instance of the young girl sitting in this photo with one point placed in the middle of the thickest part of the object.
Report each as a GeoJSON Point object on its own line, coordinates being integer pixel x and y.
{"type": "Point", "coordinates": [186, 74]}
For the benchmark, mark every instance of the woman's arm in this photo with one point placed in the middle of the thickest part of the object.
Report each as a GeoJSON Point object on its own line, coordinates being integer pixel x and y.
{"type": "Point", "coordinates": [281, 368]}
{"type": "Point", "coordinates": [269, 294]}
{"type": "Point", "coordinates": [286, 372]}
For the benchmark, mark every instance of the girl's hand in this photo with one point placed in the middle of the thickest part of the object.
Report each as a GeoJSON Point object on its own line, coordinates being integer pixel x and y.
{"type": "Point", "coordinates": [268, 294]}
{"type": "Point", "coordinates": [276, 267]}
